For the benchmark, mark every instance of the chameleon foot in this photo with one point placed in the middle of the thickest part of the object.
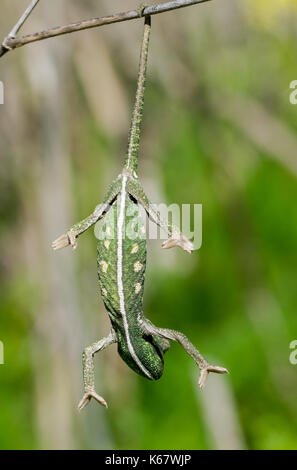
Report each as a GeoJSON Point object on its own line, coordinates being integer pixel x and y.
{"type": "Point", "coordinates": [87, 398]}
{"type": "Point", "coordinates": [205, 371]}
{"type": "Point", "coordinates": [64, 240]}
{"type": "Point", "coordinates": [179, 240]}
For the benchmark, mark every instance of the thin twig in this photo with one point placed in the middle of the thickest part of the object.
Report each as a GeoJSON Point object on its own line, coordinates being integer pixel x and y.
{"type": "Point", "coordinates": [22, 19]}
{"type": "Point", "coordinates": [4, 47]}
{"type": "Point", "coordinates": [12, 43]}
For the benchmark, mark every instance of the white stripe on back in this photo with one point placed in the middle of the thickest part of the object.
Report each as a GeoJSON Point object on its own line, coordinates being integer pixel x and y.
{"type": "Point", "coordinates": [121, 218]}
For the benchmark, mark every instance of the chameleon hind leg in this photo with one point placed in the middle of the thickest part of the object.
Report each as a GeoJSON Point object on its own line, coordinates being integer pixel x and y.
{"type": "Point", "coordinates": [70, 237]}
{"type": "Point", "coordinates": [179, 337]}
{"type": "Point", "coordinates": [176, 238]}
{"type": "Point", "coordinates": [88, 370]}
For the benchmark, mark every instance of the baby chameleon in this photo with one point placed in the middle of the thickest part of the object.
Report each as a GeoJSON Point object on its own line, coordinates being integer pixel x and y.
{"type": "Point", "coordinates": [121, 266]}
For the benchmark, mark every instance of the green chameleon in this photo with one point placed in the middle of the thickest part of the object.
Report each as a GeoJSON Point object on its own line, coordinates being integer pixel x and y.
{"type": "Point", "coordinates": [121, 266]}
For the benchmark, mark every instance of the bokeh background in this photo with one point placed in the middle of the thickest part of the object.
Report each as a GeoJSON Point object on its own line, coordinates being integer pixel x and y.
{"type": "Point", "coordinates": [219, 129]}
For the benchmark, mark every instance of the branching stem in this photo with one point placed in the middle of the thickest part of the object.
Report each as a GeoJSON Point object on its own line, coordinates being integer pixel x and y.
{"type": "Point", "coordinates": [5, 47]}
{"type": "Point", "coordinates": [10, 42]}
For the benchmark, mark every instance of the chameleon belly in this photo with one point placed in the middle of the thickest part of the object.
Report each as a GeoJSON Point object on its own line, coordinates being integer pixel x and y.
{"type": "Point", "coordinates": [121, 272]}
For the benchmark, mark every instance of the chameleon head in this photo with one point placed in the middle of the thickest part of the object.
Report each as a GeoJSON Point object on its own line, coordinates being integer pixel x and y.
{"type": "Point", "coordinates": [147, 359]}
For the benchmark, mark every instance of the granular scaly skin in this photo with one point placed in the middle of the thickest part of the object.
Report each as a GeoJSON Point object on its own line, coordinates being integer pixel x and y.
{"type": "Point", "coordinates": [147, 348]}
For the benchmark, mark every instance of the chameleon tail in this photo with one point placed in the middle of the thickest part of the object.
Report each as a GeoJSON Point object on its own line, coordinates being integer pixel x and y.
{"type": "Point", "coordinates": [131, 162]}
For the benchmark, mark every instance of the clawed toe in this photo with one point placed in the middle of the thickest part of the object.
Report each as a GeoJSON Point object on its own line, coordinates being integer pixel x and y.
{"type": "Point", "coordinates": [87, 398]}
{"type": "Point", "coordinates": [65, 240]}
{"type": "Point", "coordinates": [61, 242]}
{"type": "Point", "coordinates": [178, 240]}
{"type": "Point", "coordinates": [204, 374]}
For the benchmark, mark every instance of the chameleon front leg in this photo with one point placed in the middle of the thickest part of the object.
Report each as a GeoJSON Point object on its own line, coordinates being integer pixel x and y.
{"type": "Point", "coordinates": [174, 335]}
{"type": "Point", "coordinates": [88, 370]}
{"type": "Point", "coordinates": [70, 237]}
{"type": "Point", "coordinates": [176, 238]}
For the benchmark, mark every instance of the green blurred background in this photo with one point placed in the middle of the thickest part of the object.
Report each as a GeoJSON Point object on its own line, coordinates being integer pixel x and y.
{"type": "Point", "coordinates": [219, 129]}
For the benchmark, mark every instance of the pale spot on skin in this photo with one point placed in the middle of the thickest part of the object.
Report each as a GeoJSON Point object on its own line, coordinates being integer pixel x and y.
{"type": "Point", "coordinates": [104, 266]}
{"type": "Point", "coordinates": [104, 292]}
{"type": "Point", "coordinates": [106, 244]}
{"type": "Point", "coordinates": [137, 266]}
{"type": "Point", "coordinates": [134, 248]}
{"type": "Point", "coordinates": [137, 288]}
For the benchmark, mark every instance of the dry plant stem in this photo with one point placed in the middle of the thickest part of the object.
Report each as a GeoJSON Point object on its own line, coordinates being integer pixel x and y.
{"type": "Point", "coordinates": [22, 19]}
{"type": "Point", "coordinates": [10, 43]}
{"type": "Point", "coordinates": [4, 46]}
